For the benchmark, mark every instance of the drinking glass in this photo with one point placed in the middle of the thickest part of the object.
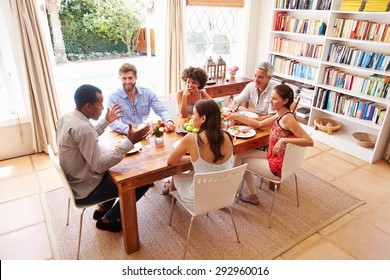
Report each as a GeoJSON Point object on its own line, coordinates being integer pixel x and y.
{"type": "Point", "coordinates": [146, 121]}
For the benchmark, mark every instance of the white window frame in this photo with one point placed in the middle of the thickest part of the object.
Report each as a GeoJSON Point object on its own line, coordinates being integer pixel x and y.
{"type": "Point", "coordinates": [13, 103]}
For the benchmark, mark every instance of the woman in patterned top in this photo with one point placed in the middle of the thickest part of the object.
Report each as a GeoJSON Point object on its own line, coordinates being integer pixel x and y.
{"type": "Point", "coordinates": [285, 129]}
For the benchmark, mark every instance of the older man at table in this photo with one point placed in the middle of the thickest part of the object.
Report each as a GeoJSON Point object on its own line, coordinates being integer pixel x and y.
{"type": "Point", "coordinates": [82, 160]}
{"type": "Point", "coordinates": [258, 92]}
{"type": "Point", "coordinates": [136, 101]}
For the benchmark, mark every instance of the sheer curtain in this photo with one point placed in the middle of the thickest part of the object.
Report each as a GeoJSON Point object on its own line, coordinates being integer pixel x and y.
{"type": "Point", "coordinates": [42, 93]}
{"type": "Point", "coordinates": [174, 63]}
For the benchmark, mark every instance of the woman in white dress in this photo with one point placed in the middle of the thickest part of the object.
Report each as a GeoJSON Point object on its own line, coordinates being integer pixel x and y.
{"type": "Point", "coordinates": [209, 150]}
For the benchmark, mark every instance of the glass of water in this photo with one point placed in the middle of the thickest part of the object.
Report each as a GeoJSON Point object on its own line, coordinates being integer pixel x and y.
{"type": "Point", "coordinates": [146, 121]}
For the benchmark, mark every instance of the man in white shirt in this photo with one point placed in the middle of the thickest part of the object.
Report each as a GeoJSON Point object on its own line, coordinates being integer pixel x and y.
{"type": "Point", "coordinates": [258, 92]}
{"type": "Point", "coordinates": [82, 160]}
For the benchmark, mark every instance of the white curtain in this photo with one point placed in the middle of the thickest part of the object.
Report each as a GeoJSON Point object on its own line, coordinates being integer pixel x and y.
{"type": "Point", "coordinates": [174, 57]}
{"type": "Point", "coordinates": [42, 93]}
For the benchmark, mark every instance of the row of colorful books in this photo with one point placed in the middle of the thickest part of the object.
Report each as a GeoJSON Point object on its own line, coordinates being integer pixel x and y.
{"type": "Point", "coordinates": [297, 48]}
{"type": "Point", "coordinates": [283, 22]}
{"type": "Point", "coordinates": [352, 56]}
{"type": "Point", "coordinates": [360, 29]}
{"type": "Point", "coordinates": [294, 4]}
{"type": "Point", "coordinates": [350, 106]}
{"type": "Point", "coordinates": [375, 85]}
{"type": "Point", "coordinates": [293, 68]}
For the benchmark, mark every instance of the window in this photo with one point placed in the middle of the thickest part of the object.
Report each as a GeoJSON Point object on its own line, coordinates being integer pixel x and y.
{"type": "Point", "coordinates": [12, 104]}
{"type": "Point", "coordinates": [211, 32]}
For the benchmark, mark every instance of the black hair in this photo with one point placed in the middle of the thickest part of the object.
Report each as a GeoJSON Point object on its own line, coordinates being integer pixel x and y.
{"type": "Point", "coordinates": [86, 94]}
{"type": "Point", "coordinates": [212, 125]}
{"type": "Point", "coordinates": [195, 73]}
{"type": "Point", "coordinates": [285, 92]}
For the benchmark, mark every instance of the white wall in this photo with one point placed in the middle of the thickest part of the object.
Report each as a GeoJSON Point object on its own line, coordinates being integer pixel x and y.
{"type": "Point", "coordinates": [258, 26]}
{"type": "Point", "coordinates": [16, 141]}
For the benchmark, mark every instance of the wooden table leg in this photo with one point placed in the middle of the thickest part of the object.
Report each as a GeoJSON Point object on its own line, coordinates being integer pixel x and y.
{"type": "Point", "coordinates": [129, 220]}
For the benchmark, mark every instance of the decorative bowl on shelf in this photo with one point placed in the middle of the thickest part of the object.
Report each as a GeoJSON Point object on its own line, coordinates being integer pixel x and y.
{"type": "Point", "coordinates": [327, 125]}
{"type": "Point", "coordinates": [364, 139]}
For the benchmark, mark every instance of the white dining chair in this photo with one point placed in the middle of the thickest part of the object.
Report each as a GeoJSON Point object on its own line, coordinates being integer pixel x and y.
{"type": "Point", "coordinates": [293, 159]}
{"type": "Point", "coordinates": [169, 102]}
{"type": "Point", "coordinates": [71, 198]}
{"type": "Point", "coordinates": [212, 191]}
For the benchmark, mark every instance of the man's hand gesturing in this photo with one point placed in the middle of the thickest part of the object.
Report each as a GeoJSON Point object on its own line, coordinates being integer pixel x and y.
{"type": "Point", "coordinates": [114, 113]}
{"type": "Point", "coordinates": [136, 135]}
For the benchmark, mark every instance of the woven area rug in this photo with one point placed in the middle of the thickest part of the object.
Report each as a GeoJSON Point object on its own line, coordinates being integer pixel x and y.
{"type": "Point", "coordinates": [212, 237]}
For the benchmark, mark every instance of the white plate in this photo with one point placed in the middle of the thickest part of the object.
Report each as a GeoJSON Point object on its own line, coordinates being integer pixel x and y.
{"type": "Point", "coordinates": [248, 114]}
{"type": "Point", "coordinates": [225, 110]}
{"type": "Point", "coordinates": [137, 147]}
{"type": "Point", "coordinates": [237, 131]}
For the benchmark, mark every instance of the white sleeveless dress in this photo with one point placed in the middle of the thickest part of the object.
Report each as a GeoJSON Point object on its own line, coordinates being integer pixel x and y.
{"type": "Point", "coordinates": [184, 182]}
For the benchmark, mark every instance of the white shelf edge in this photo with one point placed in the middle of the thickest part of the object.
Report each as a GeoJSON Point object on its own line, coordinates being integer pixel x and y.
{"type": "Point", "coordinates": [351, 67]}
{"type": "Point", "coordinates": [295, 57]}
{"type": "Point", "coordinates": [368, 42]}
{"type": "Point", "coordinates": [345, 143]}
{"type": "Point", "coordinates": [365, 123]}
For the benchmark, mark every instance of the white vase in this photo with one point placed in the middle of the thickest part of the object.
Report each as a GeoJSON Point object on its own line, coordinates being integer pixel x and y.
{"type": "Point", "coordinates": [159, 141]}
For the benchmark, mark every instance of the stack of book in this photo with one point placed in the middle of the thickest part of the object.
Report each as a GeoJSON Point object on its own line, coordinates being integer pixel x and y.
{"type": "Point", "coordinates": [365, 5]}
{"type": "Point", "coordinates": [352, 5]}
{"type": "Point", "coordinates": [377, 6]}
{"type": "Point", "coordinates": [303, 112]}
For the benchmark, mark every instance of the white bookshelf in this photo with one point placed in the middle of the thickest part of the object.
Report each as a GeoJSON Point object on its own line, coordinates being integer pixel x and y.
{"type": "Point", "coordinates": [342, 139]}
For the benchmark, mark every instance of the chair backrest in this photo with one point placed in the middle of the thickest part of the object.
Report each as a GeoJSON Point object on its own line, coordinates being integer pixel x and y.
{"type": "Point", "coordinates": [216, 190]}
{"type": "Point", "coordinates": [62, 176]}
{"type": "Point", "coordinates": [293, 159]}
{"type": "Point", "coordinates": [169, 102]}
{"type": "Point", "coordinates": [294, 105]}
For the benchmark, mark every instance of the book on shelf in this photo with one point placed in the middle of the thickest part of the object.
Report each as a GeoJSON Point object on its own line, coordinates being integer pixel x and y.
{"type": "Point", "coordinates": [352, 5]}
{"type": "Point", "coordinates": [323, 4]}
{"type": "Point", "coordinates": [303, 112]}
{"type": "Point", "coordinates": [279, 17]}
{"type": "Point", "coordinates": [376, 6]}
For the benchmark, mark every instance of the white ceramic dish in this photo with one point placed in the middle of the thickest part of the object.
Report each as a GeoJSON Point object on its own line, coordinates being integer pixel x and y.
{"type": "Point", "coordinates": [248, 114]}
{"type": "Point", "coordinates": [241, 131]}
{"type": "Point", "coordinates": [137, 148]}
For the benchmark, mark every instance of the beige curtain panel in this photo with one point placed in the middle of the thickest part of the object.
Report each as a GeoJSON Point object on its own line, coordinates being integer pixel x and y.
{"type": "Point", "coordinates": [42, 93]}
{"type": "Point", "coordinates": [174, 55]}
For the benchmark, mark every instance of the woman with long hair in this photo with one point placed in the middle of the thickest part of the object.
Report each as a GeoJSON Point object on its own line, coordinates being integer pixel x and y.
{"type": "Point", "coordinates": [209, 150]}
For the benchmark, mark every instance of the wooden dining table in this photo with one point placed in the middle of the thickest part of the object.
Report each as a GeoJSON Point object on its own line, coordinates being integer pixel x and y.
{"type": "Point", "coordinates": [149, 165]}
